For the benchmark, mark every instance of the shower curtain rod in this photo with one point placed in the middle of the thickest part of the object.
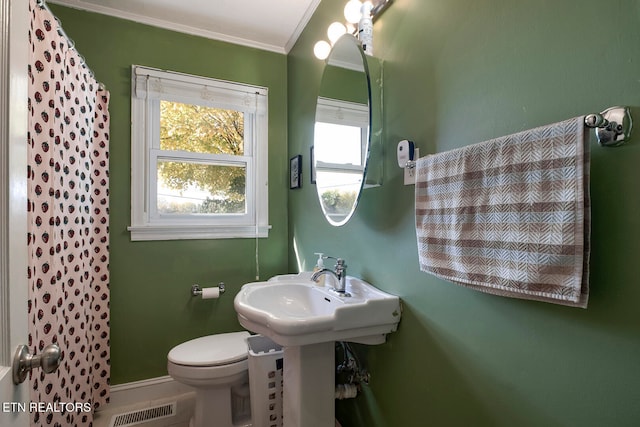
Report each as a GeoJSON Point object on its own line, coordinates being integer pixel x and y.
{"type": "Point", "coordinates": [72, 44]}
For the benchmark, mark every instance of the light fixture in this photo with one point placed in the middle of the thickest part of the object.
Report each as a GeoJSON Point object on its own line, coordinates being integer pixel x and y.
{"type": "Point", "coordinates": [335, 31]}
{"type": "Point", "coordinates": [360, 17]}
{"type": "Point", "coordinates": [321, 50]}
{"type": "Point", "coordinates": [352, 11]}
{"type": "Point", "coordinates": [379, 6]}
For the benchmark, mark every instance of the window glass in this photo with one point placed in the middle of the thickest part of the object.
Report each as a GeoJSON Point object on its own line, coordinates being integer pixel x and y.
{"type": "Point", "coordinates": [201, 129]}
{"type": "Point", "coordinates": [341, 143]}
{"type": "Point", "coordinates": [194, 188]}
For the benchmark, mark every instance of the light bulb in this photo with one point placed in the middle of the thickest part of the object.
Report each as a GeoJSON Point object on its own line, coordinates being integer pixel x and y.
{"type": "Point", "coordinates": [322, 49]}
{"type": "Point", "coordinates": [352, 11]}
{"type": "Point", "coordinates": [335, 31]}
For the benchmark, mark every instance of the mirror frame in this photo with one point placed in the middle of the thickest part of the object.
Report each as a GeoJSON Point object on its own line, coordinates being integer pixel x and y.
{"type": "Point", "coordinates": [365, 152]}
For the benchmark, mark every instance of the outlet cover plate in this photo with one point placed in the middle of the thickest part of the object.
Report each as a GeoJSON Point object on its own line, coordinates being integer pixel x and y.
{"type": "Point", "coordinates": [410, 173]}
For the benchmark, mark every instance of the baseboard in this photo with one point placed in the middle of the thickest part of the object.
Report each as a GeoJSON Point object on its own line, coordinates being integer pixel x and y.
{"type": "Point", "coordinates": [133, 393]}
{"type": "Point", "coordinates": [145, 392]}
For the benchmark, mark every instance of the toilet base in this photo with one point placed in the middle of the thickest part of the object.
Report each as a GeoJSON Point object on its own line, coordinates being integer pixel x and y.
{"type": "Point", "coordinates": [216, 366]}
{"type": "Point", "coordinates": [223, 406]}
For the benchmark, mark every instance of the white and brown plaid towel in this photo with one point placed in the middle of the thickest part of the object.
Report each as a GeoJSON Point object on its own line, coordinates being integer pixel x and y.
{"type": "Point", "coordinates": [510, 216]}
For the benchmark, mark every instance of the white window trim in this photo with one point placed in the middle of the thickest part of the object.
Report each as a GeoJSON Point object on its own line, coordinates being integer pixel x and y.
{"type": "Point", "coordinates": [149, 85]}
{"type": "Point", "coordinates": [342, 112]}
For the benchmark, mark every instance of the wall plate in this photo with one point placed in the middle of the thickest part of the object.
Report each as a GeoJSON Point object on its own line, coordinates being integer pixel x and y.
{"type": "Point", "coordinates": [410, 172]}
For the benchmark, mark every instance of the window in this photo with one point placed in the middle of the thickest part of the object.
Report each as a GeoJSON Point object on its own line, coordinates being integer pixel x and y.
{"type": "Point", "coordinates": [198, 157]}
{"type": "Point", "coordinates": [341, 133]}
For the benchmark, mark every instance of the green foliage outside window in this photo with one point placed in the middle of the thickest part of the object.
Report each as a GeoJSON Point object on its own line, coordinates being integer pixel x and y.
{"type": "Point", "coordinates": [198, 129]}
{"type": "Point", "coordinates": [338, 202]}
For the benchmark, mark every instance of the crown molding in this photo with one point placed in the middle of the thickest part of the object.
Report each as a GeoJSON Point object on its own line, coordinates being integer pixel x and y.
{"type": "Point", "coordinates": [301, 25]}
{"type": "Point", "coordinates": [187, 29]}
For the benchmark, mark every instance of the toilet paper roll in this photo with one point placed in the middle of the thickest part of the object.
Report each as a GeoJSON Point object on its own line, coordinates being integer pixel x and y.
{"type": "Point", "coordinates": [210, 293]}
{"type": "Point", "coordinates": [346, 391]}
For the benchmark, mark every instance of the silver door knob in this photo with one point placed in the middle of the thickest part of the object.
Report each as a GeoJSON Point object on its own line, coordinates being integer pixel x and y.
{"type": "Point", "coordinates": [23, 362]}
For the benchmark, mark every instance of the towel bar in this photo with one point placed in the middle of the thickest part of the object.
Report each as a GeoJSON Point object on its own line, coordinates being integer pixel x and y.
{"type": "Point", "coordinates": [613, 126]}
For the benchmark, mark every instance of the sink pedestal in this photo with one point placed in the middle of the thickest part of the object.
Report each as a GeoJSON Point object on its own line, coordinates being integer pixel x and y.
{"type": "Point", "coordinates": [307, 320]}
{"type": "Point", "coordinates": [309, 385]}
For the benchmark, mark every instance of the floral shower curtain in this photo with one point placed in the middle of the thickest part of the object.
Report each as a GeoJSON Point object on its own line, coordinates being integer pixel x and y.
{"type": "Point", "coordinates": [68, 235]}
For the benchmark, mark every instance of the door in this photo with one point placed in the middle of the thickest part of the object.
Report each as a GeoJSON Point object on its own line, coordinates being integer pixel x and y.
{"type": "Point", "coordinates": [14, 21]}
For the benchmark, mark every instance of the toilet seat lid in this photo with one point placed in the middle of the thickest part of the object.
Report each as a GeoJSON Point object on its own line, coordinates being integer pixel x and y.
{"type": "Point", "coordinates": [212, 350]}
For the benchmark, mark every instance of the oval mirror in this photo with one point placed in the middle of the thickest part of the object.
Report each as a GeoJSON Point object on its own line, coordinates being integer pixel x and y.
{"type": "Point", "coordinates": [342, 129]}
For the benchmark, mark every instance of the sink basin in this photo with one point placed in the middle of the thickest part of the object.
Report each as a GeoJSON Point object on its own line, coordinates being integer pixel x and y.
{"type": "Point", "coordinates": [292, 310]}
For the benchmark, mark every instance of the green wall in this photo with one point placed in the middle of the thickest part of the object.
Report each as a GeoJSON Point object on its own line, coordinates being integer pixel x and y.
{"type": "Point", "coordinates": [346, 85]}
{"type": "Point", "coordinates": [455, 73]}
{"type": "Point", "coordinates": [151, 306]}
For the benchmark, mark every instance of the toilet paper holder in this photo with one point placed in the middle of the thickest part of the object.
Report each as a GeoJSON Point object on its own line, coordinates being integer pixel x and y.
{"type": "Point", "coordinates": [196, 290]}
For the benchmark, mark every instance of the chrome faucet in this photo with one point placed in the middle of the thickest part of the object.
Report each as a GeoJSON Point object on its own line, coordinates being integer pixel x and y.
{"type": "Point", "coordinates": [340, 275]}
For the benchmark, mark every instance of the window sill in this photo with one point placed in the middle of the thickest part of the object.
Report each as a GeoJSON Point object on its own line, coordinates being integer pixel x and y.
{"type": "Point", "coordinates": [196, 232]}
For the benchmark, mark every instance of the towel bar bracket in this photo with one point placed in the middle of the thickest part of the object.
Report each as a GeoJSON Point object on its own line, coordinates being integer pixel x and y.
{"type": "Point", "coordinates": [613, 126]}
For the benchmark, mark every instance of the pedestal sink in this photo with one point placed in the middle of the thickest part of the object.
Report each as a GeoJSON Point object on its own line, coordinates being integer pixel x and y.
{"type": "Point", "coordinates": [306, 319]}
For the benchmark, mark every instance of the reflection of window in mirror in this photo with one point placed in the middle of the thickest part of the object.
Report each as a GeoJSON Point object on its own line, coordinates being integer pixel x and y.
{"type": "Point", "coordinates": [341, 132]}
{"type": "Point", "coordinates": [341, 135]}
{"type": "Point", "coordinates": [342, 143]}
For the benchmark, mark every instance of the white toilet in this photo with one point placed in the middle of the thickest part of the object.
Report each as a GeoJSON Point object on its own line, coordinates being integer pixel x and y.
{"type": "Point", "coordinates": [217, 367]}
